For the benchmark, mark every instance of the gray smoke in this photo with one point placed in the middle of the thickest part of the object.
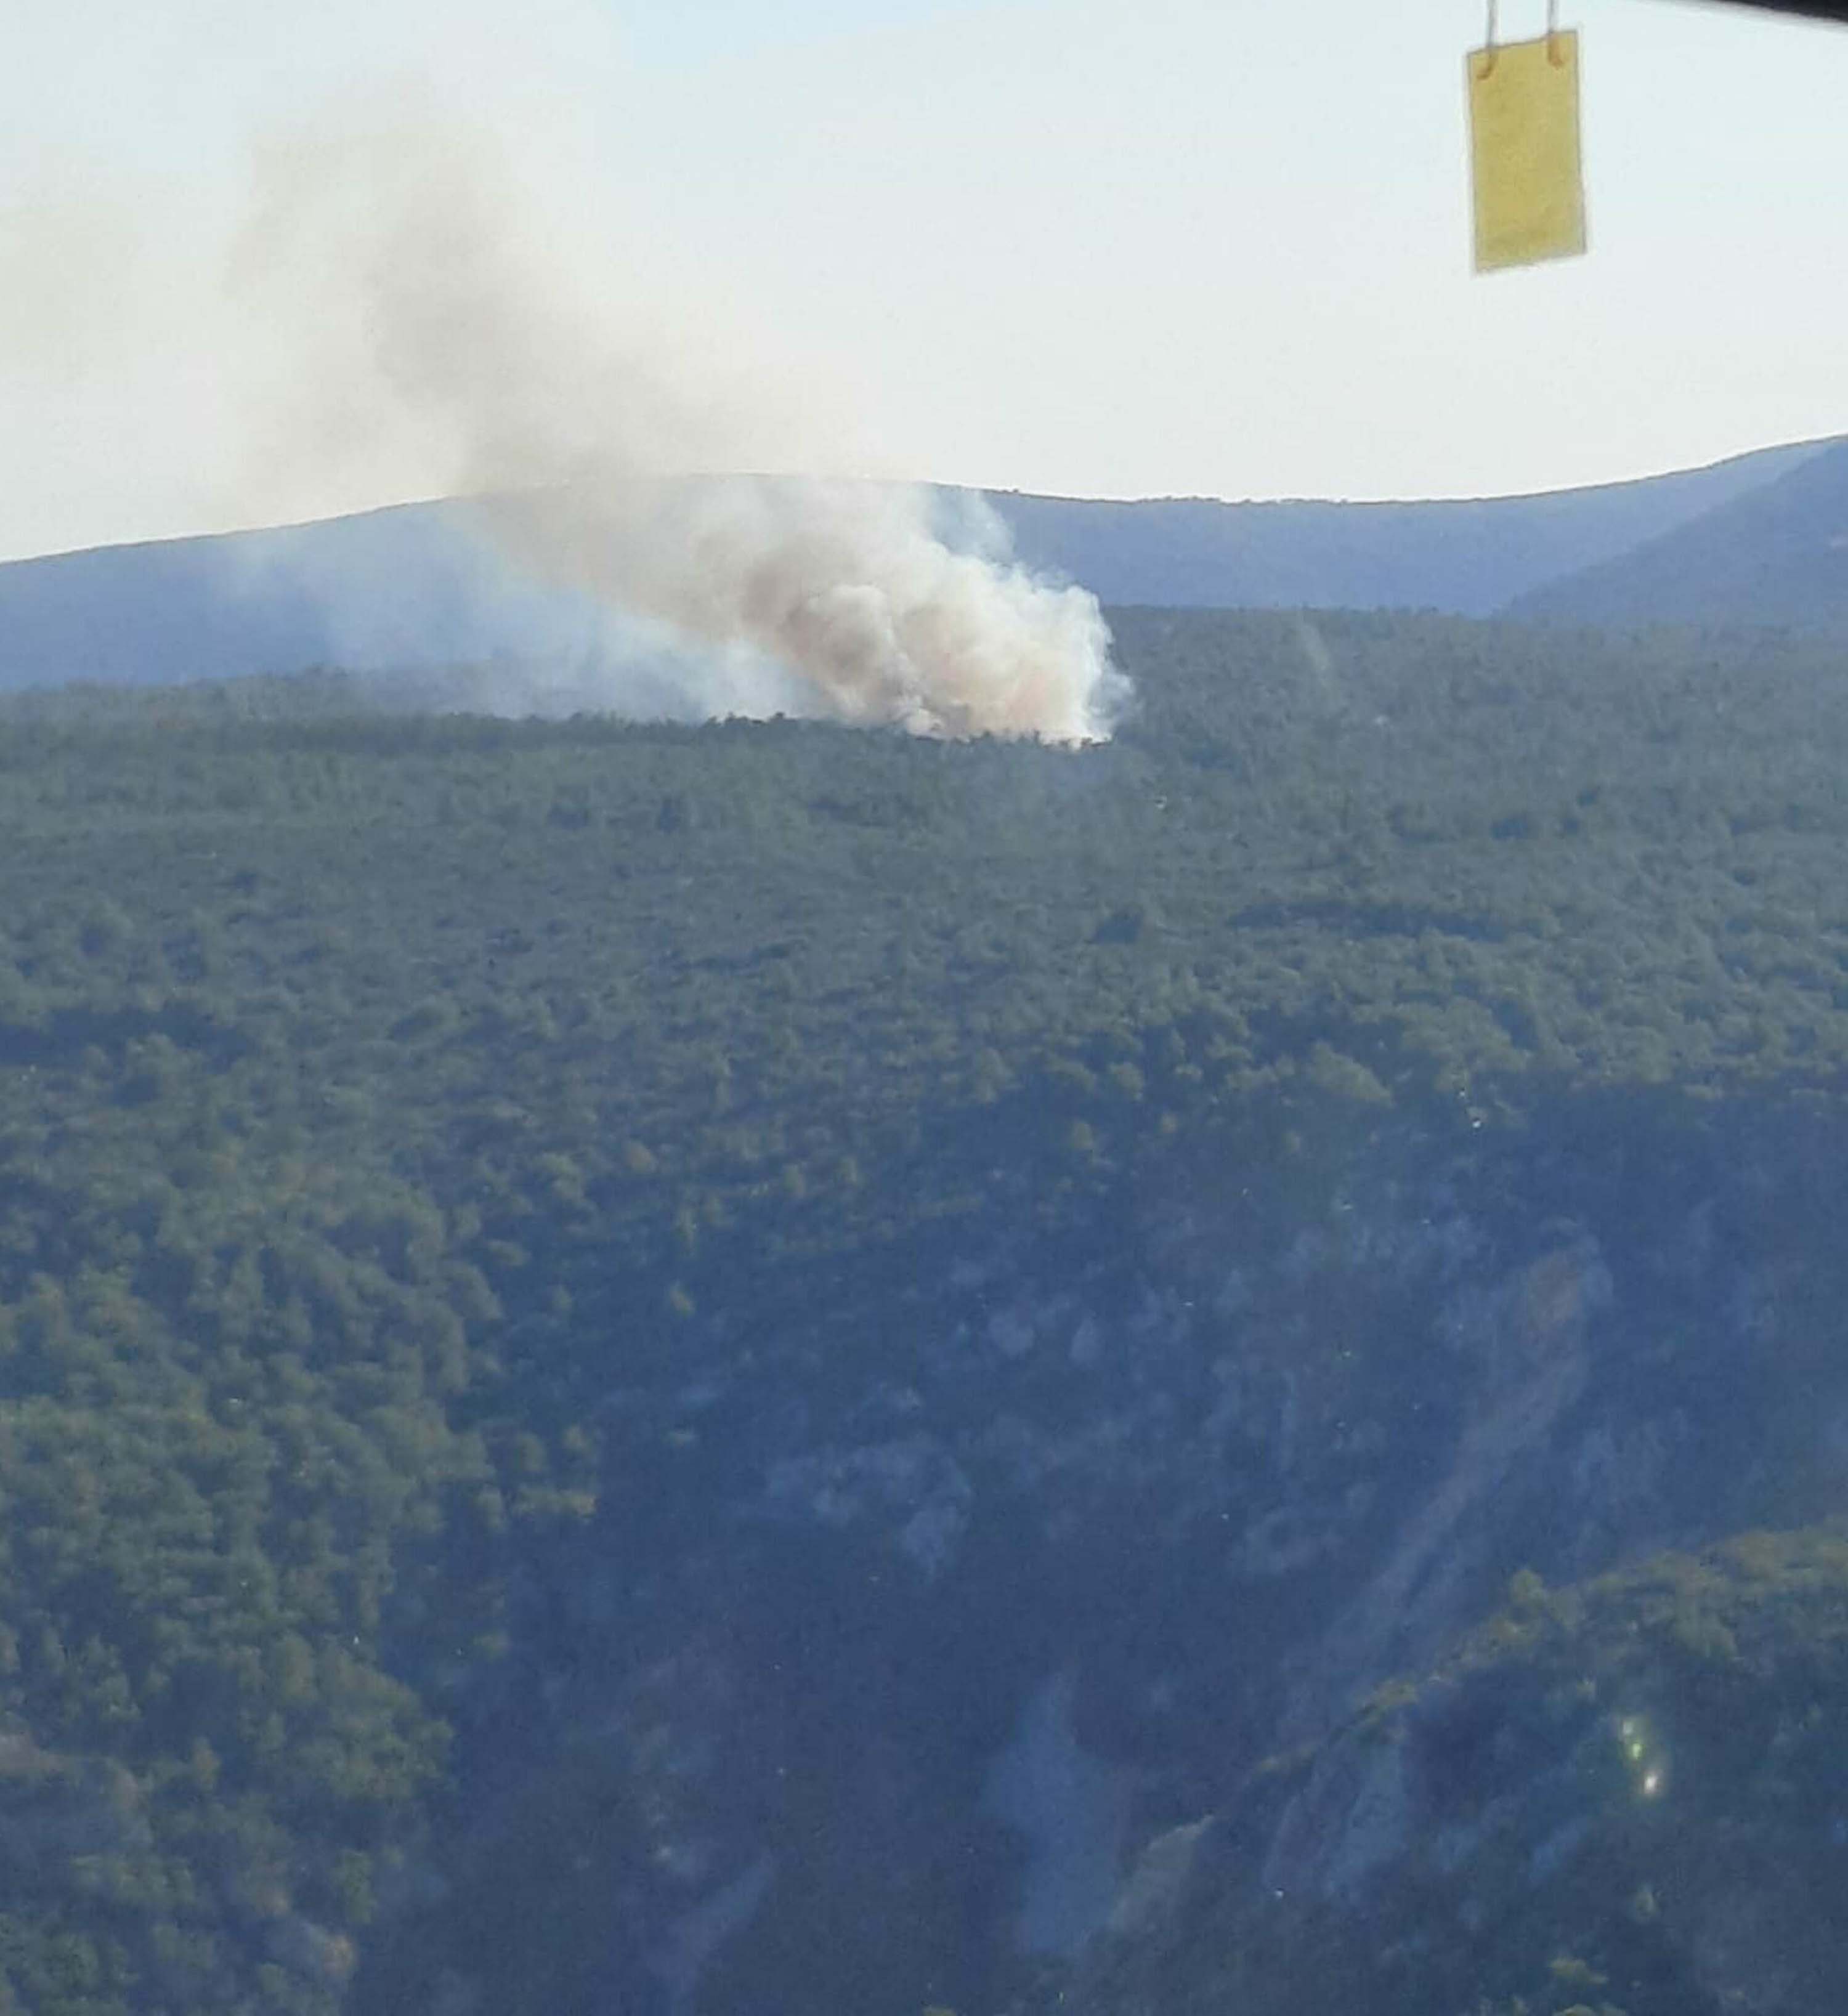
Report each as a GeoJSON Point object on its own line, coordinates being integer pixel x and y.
{"type": "Point", "coordinates": [422, 307]}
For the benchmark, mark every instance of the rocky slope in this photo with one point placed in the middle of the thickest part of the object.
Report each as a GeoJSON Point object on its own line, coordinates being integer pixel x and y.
{"type": "Point", "coordinates": [1038, 1649]}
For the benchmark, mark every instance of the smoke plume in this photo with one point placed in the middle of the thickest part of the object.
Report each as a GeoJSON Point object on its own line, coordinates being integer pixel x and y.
{"type": "Point", "coordinates": [424, 307]}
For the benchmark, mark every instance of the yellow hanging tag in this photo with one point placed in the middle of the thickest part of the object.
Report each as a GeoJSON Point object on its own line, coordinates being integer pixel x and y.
{"type": "Point", "coordinates": [1524, 145]}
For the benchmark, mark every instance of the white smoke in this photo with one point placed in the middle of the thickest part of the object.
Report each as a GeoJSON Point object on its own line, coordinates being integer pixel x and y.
{"type": "Point", "coordinates": [419, 305]}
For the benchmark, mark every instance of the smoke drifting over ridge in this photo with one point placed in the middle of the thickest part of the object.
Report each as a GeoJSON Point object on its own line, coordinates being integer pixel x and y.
{"type": "Point", "coordinates": [417, 301]}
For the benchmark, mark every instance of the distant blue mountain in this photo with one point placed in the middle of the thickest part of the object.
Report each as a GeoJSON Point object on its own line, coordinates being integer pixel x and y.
{"type": "Point", "coordinates": [422, 586]}
{"type": "Point", "coordinates": [415, 586]}
{"type": "Point", "coordinates": [1775, 555]}
{"type": "Point", "coordinates": [1467, 558]}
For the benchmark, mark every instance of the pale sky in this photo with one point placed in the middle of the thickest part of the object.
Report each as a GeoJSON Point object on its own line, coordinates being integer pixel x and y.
{"type": "Point", "coordinates": [1202, 247]}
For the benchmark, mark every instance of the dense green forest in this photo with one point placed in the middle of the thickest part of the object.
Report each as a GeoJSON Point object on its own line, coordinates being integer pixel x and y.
{"type": "Point", "coordinates": [378, 1088]}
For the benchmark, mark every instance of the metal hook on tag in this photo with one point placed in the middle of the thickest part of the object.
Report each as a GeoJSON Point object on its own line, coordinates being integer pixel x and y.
{"type": "Point", "coordinates": [1553, 55]}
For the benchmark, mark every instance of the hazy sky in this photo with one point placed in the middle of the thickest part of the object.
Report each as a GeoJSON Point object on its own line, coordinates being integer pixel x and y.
{"type": "Point", "coordinates": [1156, 247]}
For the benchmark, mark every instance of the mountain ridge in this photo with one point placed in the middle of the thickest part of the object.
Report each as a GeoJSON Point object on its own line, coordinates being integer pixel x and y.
{"type": "Point", "coordinates": [421, 586]}
{"type": "Point", "coordinates": [1775, 554]}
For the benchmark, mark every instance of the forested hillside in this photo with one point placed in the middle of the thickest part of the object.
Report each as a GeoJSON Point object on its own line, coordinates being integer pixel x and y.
{"type": "Point", "coordinates": [381, 1091]}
